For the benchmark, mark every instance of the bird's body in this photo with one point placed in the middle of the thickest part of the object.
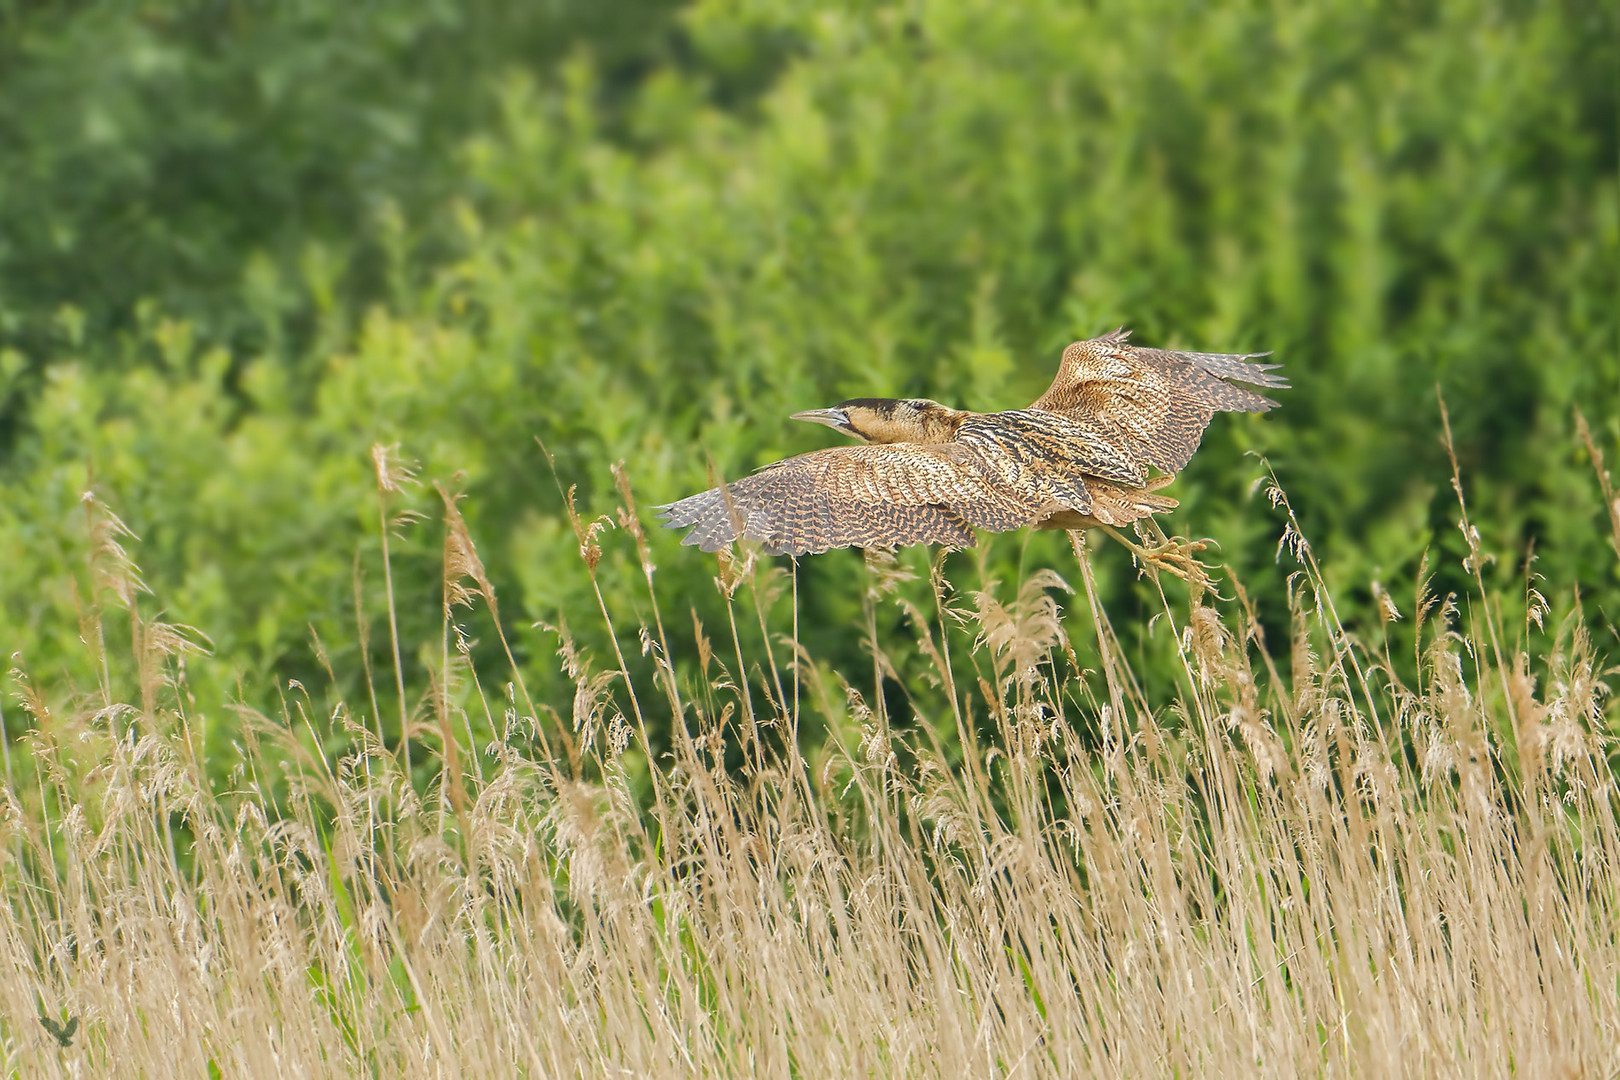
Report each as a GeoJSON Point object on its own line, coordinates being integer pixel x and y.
{"type": "Point", "coordinates": [1078, 457]}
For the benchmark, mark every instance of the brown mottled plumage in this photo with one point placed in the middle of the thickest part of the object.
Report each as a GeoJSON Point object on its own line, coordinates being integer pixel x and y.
{"type": "Point", "coordinates": [928, 474]}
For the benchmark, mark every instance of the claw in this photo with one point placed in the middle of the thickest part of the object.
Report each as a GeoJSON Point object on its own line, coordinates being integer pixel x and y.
{"type": "Point", "coordinates": [1174, 556]}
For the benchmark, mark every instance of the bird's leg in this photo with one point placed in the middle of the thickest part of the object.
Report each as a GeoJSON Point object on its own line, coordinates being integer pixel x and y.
{"type": "Point", "coordinates": [1176, 557]}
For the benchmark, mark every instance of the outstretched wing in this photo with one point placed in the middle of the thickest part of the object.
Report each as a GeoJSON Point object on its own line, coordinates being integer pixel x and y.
{"type": "Point", "coordinates": [1152, 405]}
{"type": "Point", "coordinates": [881, 496]}
{"type": "Point", "coordinates": [1032, 446]}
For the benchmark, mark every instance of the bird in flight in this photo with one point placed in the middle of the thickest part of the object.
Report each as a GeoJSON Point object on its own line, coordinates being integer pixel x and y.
{"type": "Point", "coordinates": [1115, 426]}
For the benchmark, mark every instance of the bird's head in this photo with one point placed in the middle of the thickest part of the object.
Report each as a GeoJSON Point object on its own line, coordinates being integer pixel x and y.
{"type": "Point", "coordinates": [890, 420]}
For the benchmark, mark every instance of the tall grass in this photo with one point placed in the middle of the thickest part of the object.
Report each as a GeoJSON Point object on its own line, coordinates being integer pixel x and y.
{"type": "Point", "coordinates": [1286, 864]}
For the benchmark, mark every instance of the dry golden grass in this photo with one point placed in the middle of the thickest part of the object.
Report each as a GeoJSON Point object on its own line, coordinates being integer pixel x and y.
{"type": "Point", "coordinates": [1352, 877]}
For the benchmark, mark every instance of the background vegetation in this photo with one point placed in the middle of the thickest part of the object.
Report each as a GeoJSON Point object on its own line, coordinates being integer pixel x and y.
{"type": "Point", "coordinates": [243, 243]}
{"type": "Point", "coordinates": [1101, 873]}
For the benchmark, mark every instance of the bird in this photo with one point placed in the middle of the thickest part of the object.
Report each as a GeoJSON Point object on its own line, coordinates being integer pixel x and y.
{"type": "Point", "coordinates": [62, 1033]}
{"type": "Point", "coordinates": [1117, 424]}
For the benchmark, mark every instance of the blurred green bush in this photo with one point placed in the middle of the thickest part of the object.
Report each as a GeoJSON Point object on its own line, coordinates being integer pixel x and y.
{"type": "Point", "coordinates": [241, 244]}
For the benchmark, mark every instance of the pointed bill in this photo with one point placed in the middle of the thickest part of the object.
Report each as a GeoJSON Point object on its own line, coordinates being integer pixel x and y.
{"type": "Point", "coordinates": [836, 419]}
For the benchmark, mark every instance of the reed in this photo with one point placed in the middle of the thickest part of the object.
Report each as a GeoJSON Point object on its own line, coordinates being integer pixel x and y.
{"type": "Point", "coordinates": [1283, 864]}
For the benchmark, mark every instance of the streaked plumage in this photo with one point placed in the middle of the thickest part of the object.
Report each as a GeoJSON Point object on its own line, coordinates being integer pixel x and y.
{"type": "Point", "coordinates": [1079, 456]}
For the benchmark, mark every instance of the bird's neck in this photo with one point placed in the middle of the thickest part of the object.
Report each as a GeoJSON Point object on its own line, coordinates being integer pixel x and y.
{"type": "Point", "coordinates": [936, 425]}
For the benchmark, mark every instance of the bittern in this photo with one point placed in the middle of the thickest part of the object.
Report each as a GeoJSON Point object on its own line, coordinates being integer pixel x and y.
{"type": "Point", "coordinates": [1079, 457]}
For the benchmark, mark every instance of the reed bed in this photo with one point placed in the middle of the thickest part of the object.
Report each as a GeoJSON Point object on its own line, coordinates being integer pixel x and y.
{"type": "Point", "coordinates": [1281, 865]}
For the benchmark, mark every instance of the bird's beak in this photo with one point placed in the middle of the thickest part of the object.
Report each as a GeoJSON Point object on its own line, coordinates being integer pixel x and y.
{"type": "Point", "coordinates": [833, 418]}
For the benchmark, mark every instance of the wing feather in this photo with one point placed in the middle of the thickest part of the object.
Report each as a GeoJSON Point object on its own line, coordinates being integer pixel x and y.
{"type": "Point", "coordinates": [1153, 405]}
{"type": "Point", "coordinates": [1049, 447]}
{"type": "Point", "coordinates": [877, 496]}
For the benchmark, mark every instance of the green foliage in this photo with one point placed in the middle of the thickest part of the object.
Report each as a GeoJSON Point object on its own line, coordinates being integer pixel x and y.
{"type": "Point", "coordinates": [191, 153]}
{"type": "Point", "coordinates": [784, 206]}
